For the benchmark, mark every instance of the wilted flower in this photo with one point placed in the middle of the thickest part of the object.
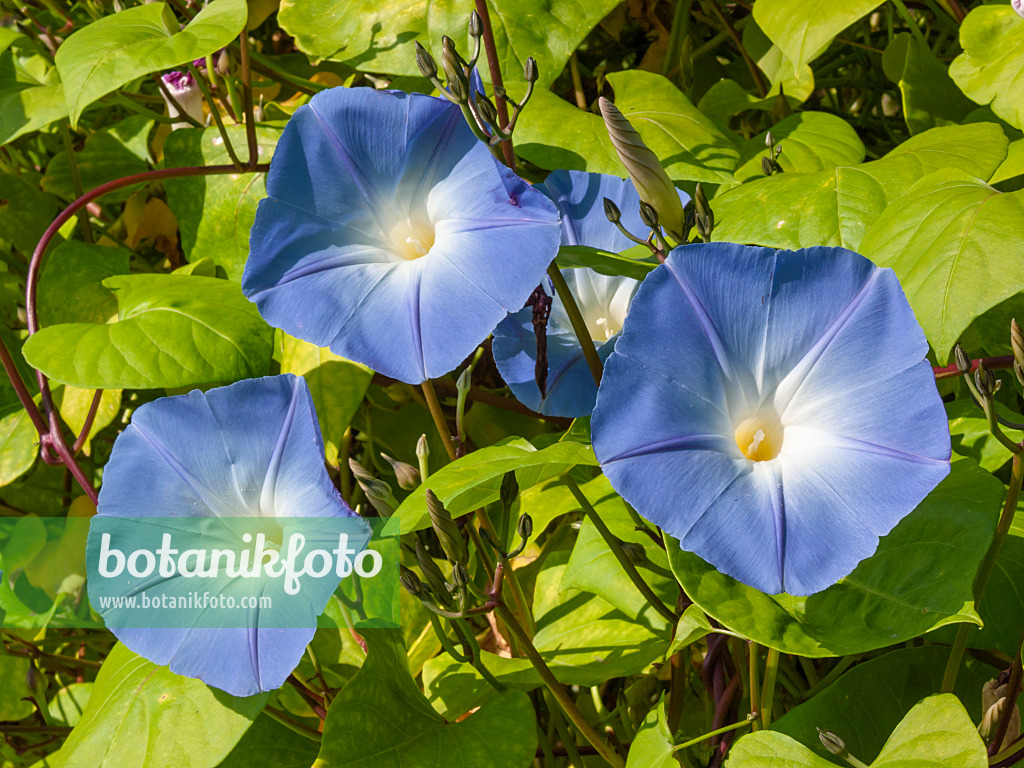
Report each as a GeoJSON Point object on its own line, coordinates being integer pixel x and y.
{"type": "Point", "coordinates": [603, 300]}
{"type": "Point", "coordinates": [392, 235]}
{"type": "Point", "coordinates": [210, 463]}
{"type": "Point", "coordinates": [772, 410]}
{"type": "Point", "coordinates": [183, 87]}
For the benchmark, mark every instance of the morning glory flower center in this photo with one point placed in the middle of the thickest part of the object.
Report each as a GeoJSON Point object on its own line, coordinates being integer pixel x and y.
{"type": "Point", "coordinates": [603, 322]}
{"type": "Point", "coordinates": [410, 241]}
{"type": "Point", "coordinates": [759, 437]}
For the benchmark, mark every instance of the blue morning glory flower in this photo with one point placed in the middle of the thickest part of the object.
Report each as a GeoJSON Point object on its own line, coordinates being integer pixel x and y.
{"type": "Point", "coordinates": [392, 235]}
{"type": "Point", "coordinates": [772, 410]}
{"type": "Point", "coordinates": [570, 389]}
{"type": "Point", "coordinates": [207, 464]}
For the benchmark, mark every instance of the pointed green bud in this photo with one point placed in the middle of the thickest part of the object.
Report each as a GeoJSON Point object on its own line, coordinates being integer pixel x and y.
{"type": "Point", "coordinates": [410, 581]}
{"type": "Point", "coordinates": [833, 743]}
{"type": "Point", "coordinates": [408, 476]}
{"type": "Point", "coordinates": [460, 578]}
{"type": "Point", "coordinates": [447, 530]}
{"type": "Point", "coordinates": [432, 574]}
{"type": "Point", "coordinates": [476, 25]}
{"type": "Point", "coordinates": [422, 448]}
{"type": "Point", "coordinates": [766, 166]}
{"type": "Point", "coordinates": [525, 526]}
{"type": "Point", "coordinates": [769, 140]}
{"type": "Point", "coordinates": [530, 73]}
{"type": "Point", "coordinates": [487, 111]}
{"type": "Point", "coordinates": [223, 62]}
{"type": "Point", "coordinates": [509, 489]}
{"type": "Point", "coordinates": [378, 493]}
{"type": "Point", "coordinates": [425, 62]}
{"type": "Point", "coordinates": [651, 182]}
{"type": "Point", "coordinates": [451, 62]}
{"type": "Point", "coordinates": [963, 361]}
{"type": "Point", "coordinates": [1017, 342]}
{"type": "Point", "coordinates": [612, 212]}
{"type": "Point", "coordinates": [984, 380]}
{"type": "Point", "coordinates": [648, 215]}
{"type": "Point", "coordinates": [500, 93]}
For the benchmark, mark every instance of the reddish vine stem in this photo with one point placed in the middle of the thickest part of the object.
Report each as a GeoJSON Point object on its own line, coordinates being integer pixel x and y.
{"type": "Point", "coordinates": [90, 417]}
{"type": "Point", "coordinates": [992, 363]}
{"type": "Point", "coordinates": [496, 81]}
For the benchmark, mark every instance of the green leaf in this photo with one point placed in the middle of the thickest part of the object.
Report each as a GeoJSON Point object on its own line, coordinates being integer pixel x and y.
{"type": "Point", "coordinates": [121, 150]}
{"type": "Point", "coordinates": [593, 568]}
{"type": "Point", "coordinates": [31, 94]}
{"type": "Point", "coordinates": [692, 626]}
{"type": "Point", "coordinates": [837, 207]}
{"type": "Point", "coordinates": [119, 48]}
{"type": "Point", "coordinates": [74, 405]}
{"type": "Point", "coordinates": [930, 97]}
{"type": "Point", "coordinates": [381, 719]}
{"type": "Point", "coordinates": [810, 141]}
{"type": "Point", "coordinates": [27, 539]}
{"type": "Point", "coordinates": [25, 211]}
{"type": "Point", "coordinates": [652, 746]}
{"type": "Point", "coordinates": [137, 708]}
{"type": "Point", "coordinates": [990, 69]}
{"type": "Point", "coordinates": [71, 286]}
{"type": "Point", "coordinates": [946, 241]}
{"type": "Point", "coordinates": [968, 427]}
{"type": "Point", "coordinates": [919, 578]}
{"type": "Point", "coordinates": [797, 83]}
{"type": "Point", "coordinates": [13, 672]}
{"type": "Point", "coordinates": [604, 262]}
{"type": "Point", "coordinates": [691, 146]}
{"type": "Point", "coordinates": [937, 732]}
{"type": "Point", "coordinates": [215, 213]}
{"type": "Point", "coordinates": [268, 742]}
{"type": "Point", "coordinates": [337, 385]}
{"type": "Point", "coordinates": [803, 28]}
{"type": "Point", "coordinates": [475, 479]}
{"type": "Point", "coordinates": [68, 704]}
{"type": "Point", "coordinates": [19, 446]}
{"type": "Point", "coordinates": [375, 35]}
{"type": "Point", "coordinates": [174, 331]}
{"type": "Point", "coordinates": [1013, 165]}
{"type": "Point", "coordinates": [548, 30]}
{"type": "Point", "coordinates": [869, 701]}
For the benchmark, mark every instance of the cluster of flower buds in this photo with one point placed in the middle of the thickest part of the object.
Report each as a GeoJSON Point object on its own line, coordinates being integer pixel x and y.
{"type": "Point", "coordinates": [770, 163]}
{"type": "Point", "coordinates": [377, 492]}
{"type": "Point", "coordinates": [463, 86]}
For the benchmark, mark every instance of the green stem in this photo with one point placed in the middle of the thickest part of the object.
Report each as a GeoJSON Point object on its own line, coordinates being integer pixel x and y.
{"type": "Point", "coordinates": [985, 571]}
{"type": "Point", "coordinates": [579, 325]}
{"type": "Point", "coordinates": [204, 87]}
{"type": "Point", "coordinates": [915, 30]}
{"type": "Point", "coordinates": [465, 631]}
{"type": "Point", "coordinates": [771, 671]}
{"type": "Point", "coordinates": [446, 642]}
{"type": "Point", "coordinates": [693, 742]}
{"type": "Point", "coordinates": [439, 420]}
{"type": "Point", "coordinates": [291, 725]}
{"type": "Point", "coordinates": [834, 674]}
{"type": "Point", "coordinates": [265, 66]}
{"type": "Point", "coordinates": [755, 679]}
{"type": "Point", "coordinates": [76, 179]}
{"type": "Point", "coordinates": [616, 547]}
{"type": "Point", "coordinates": [680, 28]}
{"type": "Point", "coordinates": [604, 749]}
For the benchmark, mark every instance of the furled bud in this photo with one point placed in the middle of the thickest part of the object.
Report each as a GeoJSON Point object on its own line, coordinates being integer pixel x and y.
{"type": "Point", "coordinates": [410, 581]}
{"type": "Point", "coordinates": [223, 62]}
{"type": "Point", "coordinates": [408, 476]}
{"type": "Point", "coordinates": [425, 62]}
{"type": "Point", "coordinates": [651, 182]}
{"type": "Point", "coordinates": [766, 166]}
{"type": "Point", "coordinates": [433, 575]}
{"type": "Point", "coordinates": [984, 380]}
{"type": "Point", "coordinates": [509, 489]}
{"type": "Point", "coordinates": [422, 448]}
{"type": "Point", "coordinates": [185, 90]}
{"type": "Point", "coordinates": [487, 109]}
{"type": "Point", "coordinates": [530, 70]}
{"type": "Point", "coordinates": [1017, 342]}
{"type": "Point", "coordinates": [476, 25]}
{"type": "Point", "coordinates": [993, 704]}
{"type": "Point", "coordinates": [378, 493]}
{"type": "Point", "coordinates": [460, 578]}
{"type": "Point", "coordinates": [611, 211]}
{"type": "Point", "coordinates": [451, 62]}
{"type": "Point", "coordinates": [963, 361]}
{"type": "Point", "coordinates": [833, 743]}
{"type": "Point", "coordinates": [447, 530]}
{"type": "Point", "coordinates": [648, 215]}
{"type": "Point", "coordinates": [525, 526]}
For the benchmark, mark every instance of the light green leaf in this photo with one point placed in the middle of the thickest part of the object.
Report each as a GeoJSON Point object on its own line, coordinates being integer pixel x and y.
{"type": "Point", "coordinates": [121, 150]}
{"type": "Point", "coordinates": [604, 262]}
{"type": "Point", "coordinates": [837, 207]}
{"type": "Point", "coordinates": [919, 578]}
{"type": "Point", "coordinates": [71, 286]}
{"type": "Point", "coordinates": [381, 719]}
{"type": "Point", "coordinates": [869, 701]}
{"type": "Point", "coordinates": [796, 83]}
{"type": "Point", "coordinates": [548, 30]}
{"type": "Point", "coordinates": [968, 427]}
{"type": "Point", "coordinates": [475, 479]}
{"type": "Point", "coordinates": [991, 68]}
{"type": "Point", "coordinates": [692, 626]}
{"type": "Point", "coordinates": [337, 385]}
{"type": "Point", "coordinates": [174, 331]}
{"type": "Point", "coordinates": [955, 245]}
{"type": "Point", "coordinates": [19, 446]}
{"type": "Point", "coordinates": [74, 405]}
{"type": "Point", "coordinates": [31, 94]}
{"type": "Point", "coordinates": [68, 704]}
{"type": "Point", "coordinates": [25, 211]}
{"type": "Point", "coordinates": [652, 746]}
{"type": "Point", "coordinates": [119, 48]}
{"type": "Point", "coordinates": [1013, 165]}
{"type": "Point", "coordinates": [375, 35]}
{"type": "Point", "coordinates": [137, 708]}
{"type": "Point", "coordinates": [215, 213]}
{"type": "Point", "coordinates": [268, 742]}
{"type": "Point", "coordinates": [810, 141]}
{"type": "Point", "coordinates": [930, 97]}
{"type": "Point", "coordinates": [803, 28]}
{"type": "Point", "coordinates": [13, 672]}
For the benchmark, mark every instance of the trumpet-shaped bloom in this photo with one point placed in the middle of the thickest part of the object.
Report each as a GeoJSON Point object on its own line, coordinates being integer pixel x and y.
{"type": "Point", "coordinates": [772, 410]}
{"type": "Point", "coordinates": [205, 464]}
{"type": "Point", "coordinates": [392, 235]}
{"type": "Point", "coordinates": [603, 300]}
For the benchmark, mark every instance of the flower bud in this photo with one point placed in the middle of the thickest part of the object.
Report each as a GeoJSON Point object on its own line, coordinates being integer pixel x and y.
{"type": "Point", "coordinates": [509, 489]}
{"type": "Point", "coordinates": [183, 87]}
{"type": "Point", "coordinates": [1017, 342]}
{"type": "Point", "coordinates": [378, 493]}
{"type": "Point", "coordinates": [460, 578]}
{"type": "Point", "coordinates": [408, 476]}
{"type": "Point", "coordinates": [476, 25]}
{"type": "Point", "coordinates": [832, 743]}
{"type": "Point", "coordinates": [963, 362]}
{"type": "Point", "coordinates": [612, 212]}
{"type": "Point", "coordinates": [500, 92]}
{"type": "Point", "coordinates": [410, 581]}
{"type": "Point", "coordinates": [447, 530]}
{"type": "Point", "coordinates": [422, 448]}
{"type": "Point", "coordinates": [433, 575]}
{"type": "Point", "coordinates": [451, 62]}
{"type": "Point", "coordinates": [993, 703]}
{"type": "Point", "coordinates": [425, 62]}
{"type": "Point", "coordinates": [984, 380]}
{"type": "Point", "coordinates": [648, 215]}
{"type": "Point", "coordinates": [487, 110]}
{"type": "Point", "coordinates": [525, 526]}
{"type": "Point", "coordinates": [769, 140]}
{"type": "Point", "coordinates": [651, 182]}
{"type": "Point", "coordinates": [530, 70]}
{"type": "Point", "coordinates": [223, 62]}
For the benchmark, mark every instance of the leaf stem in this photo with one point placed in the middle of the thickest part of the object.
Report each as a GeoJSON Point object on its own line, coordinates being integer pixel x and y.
{"type": "Point", "coordinates": [771, 670]}
{"type": "Point", "coordinates": [439, 420]}
{"type": "Point", "coordinates": [579, 325]}
{"type": "Point", "coordinates": [205, 88]}
{"type": "Point", "coordinates": [909, 20]}
{"type": "Point", "coordinates": [749, 720]}
{"type": "Point", "coordinates": [988, 564]}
